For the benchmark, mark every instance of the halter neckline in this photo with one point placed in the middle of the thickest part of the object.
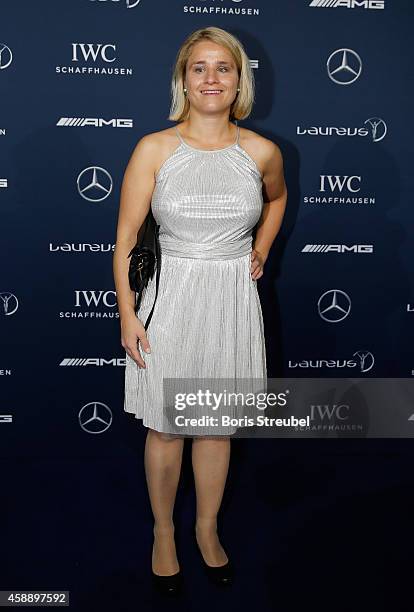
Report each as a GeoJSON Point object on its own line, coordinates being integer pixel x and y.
{"type": "Point", "coordinates": [236, 142]}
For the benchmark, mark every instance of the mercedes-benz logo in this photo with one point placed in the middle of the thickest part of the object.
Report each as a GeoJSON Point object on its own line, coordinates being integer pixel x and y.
{"type": "Point", "coordinates": [334, 305]}
{"type": "Point", "coordinates": [9, 303]}
{"type": "Point", "coordinates": [378, 128]}
{"type": "Point", "coordinates": [95, 417]}
{"type": "Point", "coordinates": [94, 180]}
{"type": "Point", "coordinates": [344, 66]}
{"type": "Point", "coordinates": [6, 56]}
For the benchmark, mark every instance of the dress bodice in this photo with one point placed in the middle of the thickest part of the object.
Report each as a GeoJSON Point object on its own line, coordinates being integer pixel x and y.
{"type": "Point", "coordinates": [207, 202]}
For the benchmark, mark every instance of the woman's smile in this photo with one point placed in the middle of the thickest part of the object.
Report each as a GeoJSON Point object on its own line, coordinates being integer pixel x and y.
{"type": "Point", "coordinates": [211, 92]}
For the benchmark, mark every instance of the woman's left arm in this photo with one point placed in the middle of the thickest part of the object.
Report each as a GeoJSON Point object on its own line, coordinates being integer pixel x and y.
{"type": "Point", "coordinates": [274, 197]}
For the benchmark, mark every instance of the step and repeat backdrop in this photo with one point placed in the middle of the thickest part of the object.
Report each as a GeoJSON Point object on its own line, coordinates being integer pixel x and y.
{"type": "Point", "coordinates": [82, 81]}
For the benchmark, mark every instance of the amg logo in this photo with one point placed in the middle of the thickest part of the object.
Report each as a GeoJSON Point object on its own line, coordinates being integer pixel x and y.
{"type": "Point", "coordinates": [338, 248]}
{"type": "Point", "coordinates": [94, 122]}
{"type": "Point", "coordinates": [3, 182]}
{"type": "Point", "coordinates": [367, 4]}
{"type": "Point", "coordinates": [92, 361]}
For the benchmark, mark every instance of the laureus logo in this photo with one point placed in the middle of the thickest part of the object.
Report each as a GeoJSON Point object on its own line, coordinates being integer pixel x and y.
{"type": "Point", "coordinates": [6, 56]}
{"type": "Point", "coordinates": [362, 360]}
{"type": "Point", "coordinates": [128, 3]}
{"type": "Point", "coordinates": [378, 128]}
{"type": "Point", "coordinates": [374, 127]}
{"type": "Point", "coordinates": [8, 303]}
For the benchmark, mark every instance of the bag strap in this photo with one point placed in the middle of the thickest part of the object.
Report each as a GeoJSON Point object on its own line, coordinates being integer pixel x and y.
{"type": "Point", "coordinates": [147, 322]}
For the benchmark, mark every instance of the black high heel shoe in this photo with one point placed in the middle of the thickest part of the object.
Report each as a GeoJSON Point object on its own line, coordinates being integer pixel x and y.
{"type": "Point", "coordinates": [221, 574]}
{"type": "Point", "coordinates": [168, 585]}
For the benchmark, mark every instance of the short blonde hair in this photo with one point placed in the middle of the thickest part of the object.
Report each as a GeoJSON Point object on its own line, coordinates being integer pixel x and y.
{"type": "Point", "coordinates": [243, 103]}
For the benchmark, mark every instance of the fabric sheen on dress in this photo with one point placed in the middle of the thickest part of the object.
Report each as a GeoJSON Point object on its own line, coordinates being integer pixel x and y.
{"type": "Point", "coordinates": [207, 322]}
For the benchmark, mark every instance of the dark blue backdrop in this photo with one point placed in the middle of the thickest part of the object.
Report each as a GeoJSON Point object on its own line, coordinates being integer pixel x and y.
{"type": "Point", "coordinates": [81, 81]}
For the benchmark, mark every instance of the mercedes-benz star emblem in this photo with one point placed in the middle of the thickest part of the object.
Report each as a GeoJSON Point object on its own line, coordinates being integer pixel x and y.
{"type": "Point", "coordinates": [344, 66]}
{"type": "Point", "coordinates": [94, 181]}
{"type": "Point", "coordinates": [334, 305]}
{"type": "Point", "coordinates": [95, 417]}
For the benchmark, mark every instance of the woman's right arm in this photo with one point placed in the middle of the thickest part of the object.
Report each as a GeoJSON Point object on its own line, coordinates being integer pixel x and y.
{"type": "Point", "coordinates": [135, 201]}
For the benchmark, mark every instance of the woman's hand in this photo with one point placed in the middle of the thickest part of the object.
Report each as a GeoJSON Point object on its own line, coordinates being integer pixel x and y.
{"type": "Point", "coordinates": [257, 263]}
{"type": "Point", "coordinates": [132, 330]}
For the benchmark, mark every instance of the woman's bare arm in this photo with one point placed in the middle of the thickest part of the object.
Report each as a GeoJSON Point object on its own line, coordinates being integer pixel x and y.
{"type": "Point", "coordinates": [275, 198]}
{"type": "Point", "coordinates": [136, 193]}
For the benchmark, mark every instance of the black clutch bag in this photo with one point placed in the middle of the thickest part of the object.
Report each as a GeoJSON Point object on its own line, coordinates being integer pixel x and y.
{"type": "Point", "coordinates": [145, 258]}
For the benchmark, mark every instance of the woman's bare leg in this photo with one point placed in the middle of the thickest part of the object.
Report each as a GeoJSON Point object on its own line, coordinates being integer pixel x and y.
{"type": "Point", "coordinates": [162, 460]}
{"type": "Point", "coordinates": [210, 460]}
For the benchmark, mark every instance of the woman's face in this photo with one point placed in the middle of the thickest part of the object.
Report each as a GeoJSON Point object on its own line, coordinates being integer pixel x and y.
{"type": "Point", "coordinates": [211, 67]}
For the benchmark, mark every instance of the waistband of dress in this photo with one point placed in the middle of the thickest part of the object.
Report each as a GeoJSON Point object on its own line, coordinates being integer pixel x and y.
{"type": "Point", "coordinates": [196, 250]}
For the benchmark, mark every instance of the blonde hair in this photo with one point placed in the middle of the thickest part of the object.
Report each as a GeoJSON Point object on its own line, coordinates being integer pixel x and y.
{"type": "Point", "coordinates": [243, 103]}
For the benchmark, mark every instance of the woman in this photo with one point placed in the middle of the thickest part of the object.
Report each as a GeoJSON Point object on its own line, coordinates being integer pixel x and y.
{"type": "Point", "coordinates": [204, 179]}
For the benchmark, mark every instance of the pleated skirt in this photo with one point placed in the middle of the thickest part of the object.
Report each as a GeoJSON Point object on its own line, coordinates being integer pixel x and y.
{"type": "Point", "coordinates": [207, 324]}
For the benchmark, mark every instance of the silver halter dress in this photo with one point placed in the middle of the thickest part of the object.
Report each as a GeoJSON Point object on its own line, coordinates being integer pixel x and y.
{"type": "Point", "coordinates": [207, 322]}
